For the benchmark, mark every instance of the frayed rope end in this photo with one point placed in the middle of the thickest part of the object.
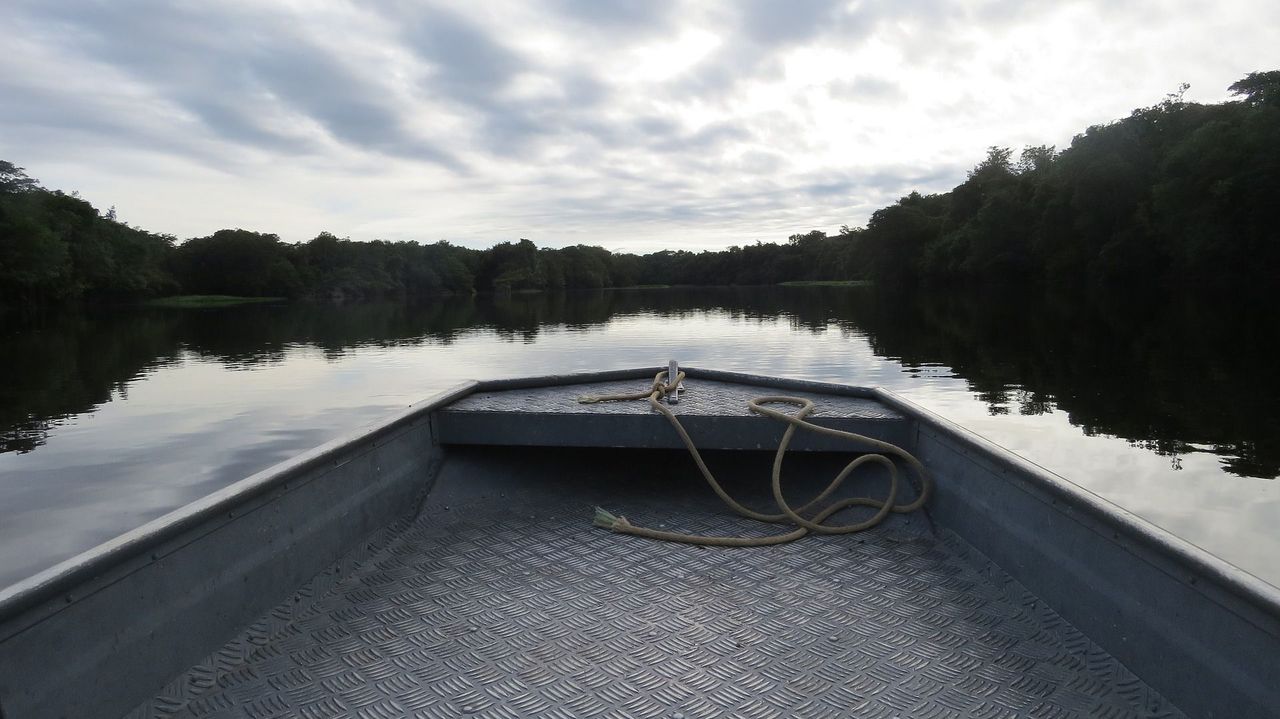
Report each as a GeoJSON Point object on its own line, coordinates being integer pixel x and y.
{"type": "Point", "coordinates": [605, 519]}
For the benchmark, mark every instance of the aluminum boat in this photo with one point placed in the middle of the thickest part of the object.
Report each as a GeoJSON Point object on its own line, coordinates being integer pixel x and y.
{"type": "Point", "coordinates": [445, 564]}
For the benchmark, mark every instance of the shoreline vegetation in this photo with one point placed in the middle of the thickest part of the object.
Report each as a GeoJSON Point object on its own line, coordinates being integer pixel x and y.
{"type": "Point", "coordinates": [229, 300]}
{"type": "Point", "coordinates": [826, 283]}
{"type": "Point", "coordinates": [209, 301]}
{"type": "Point", "coordinates": [1176, 197]}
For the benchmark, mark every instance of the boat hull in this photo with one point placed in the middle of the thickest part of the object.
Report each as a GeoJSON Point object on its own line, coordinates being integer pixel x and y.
{"type": "Point", "coordinates": [190, 599]}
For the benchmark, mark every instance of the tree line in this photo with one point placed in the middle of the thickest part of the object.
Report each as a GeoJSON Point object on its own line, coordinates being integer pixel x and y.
{"type": "Point", "coordinates": [1178, 194]}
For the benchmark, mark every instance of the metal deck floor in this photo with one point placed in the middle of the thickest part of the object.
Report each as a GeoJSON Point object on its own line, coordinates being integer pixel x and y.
{"type": "Point", "coordinates": [505, 605]}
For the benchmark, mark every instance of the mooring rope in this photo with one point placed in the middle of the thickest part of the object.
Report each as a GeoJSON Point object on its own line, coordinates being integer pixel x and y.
{"type": "Point", "coordinates": [661, 387]}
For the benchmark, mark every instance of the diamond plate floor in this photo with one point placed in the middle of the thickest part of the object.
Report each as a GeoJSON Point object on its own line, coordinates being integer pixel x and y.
{"type": "Point", "coordinates": [507, 605]}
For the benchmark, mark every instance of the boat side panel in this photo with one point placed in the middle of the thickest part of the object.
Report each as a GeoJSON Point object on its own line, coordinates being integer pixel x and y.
{"type": "Point", "coordinates": [653, 431]}
{"type": "Point", "coordinates": [1205, 650]}
{"type": "Point", "coordinates": [106, 645]}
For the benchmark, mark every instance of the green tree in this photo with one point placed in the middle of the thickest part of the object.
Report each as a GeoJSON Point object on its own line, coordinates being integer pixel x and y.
{"type": "Point", "coordinates": [237, 262]}
{"type": "Point", "coordinates": [1258, 88]}
{"type": "Point", "coordinates": [13, 179]}
{"type": "Point", "coordinates": [33, 262]}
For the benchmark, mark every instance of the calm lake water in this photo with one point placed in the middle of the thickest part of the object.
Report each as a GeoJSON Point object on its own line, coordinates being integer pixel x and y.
{"type": "Point", "coordinates": [111, 418]}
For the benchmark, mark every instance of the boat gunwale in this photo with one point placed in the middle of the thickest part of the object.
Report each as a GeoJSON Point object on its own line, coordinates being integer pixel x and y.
{"type": "Point", "coordinates": [100, 560]}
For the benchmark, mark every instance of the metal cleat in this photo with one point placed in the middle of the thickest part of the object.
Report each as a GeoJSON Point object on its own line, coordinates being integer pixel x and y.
{"type": "Point", "coordinates": [673, 371]}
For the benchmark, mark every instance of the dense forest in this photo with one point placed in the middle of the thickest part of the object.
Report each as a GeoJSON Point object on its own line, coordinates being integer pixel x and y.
{"type": "Point", "coordinates": [1176, 195]}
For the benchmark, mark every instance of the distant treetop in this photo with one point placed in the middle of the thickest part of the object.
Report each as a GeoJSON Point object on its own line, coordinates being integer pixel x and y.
{"type": "Point", "coordinates": [1259, 88]}
{"type": "Point", "coordinates": [14, 178]}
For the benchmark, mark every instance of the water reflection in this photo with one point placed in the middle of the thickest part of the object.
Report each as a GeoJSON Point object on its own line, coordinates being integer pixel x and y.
{"type": "Point", "coordinates": [1172, 378]}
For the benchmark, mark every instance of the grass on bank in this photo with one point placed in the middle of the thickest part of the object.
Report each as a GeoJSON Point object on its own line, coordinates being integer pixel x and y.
{"type": "Point", "coordinates": [826, 283]}
{"type": "Point", "coordinates": [209, 300]}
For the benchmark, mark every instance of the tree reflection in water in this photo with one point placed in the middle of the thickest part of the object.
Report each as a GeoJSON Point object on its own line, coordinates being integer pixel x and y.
{"type": "Point", "coordinates": [1173, 377]}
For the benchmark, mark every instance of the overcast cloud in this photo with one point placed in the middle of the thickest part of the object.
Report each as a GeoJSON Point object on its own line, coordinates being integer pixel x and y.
{"type": "Point", "coordinates": [638, 125]}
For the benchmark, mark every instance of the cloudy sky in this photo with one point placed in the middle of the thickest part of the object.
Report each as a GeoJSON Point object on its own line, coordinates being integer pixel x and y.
{"type": "Point", "coordinates": [638, 124]}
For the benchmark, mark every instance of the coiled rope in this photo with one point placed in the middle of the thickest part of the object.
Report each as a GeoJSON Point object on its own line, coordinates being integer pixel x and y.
{"type": "Point", "coordinates": [661, 387]}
